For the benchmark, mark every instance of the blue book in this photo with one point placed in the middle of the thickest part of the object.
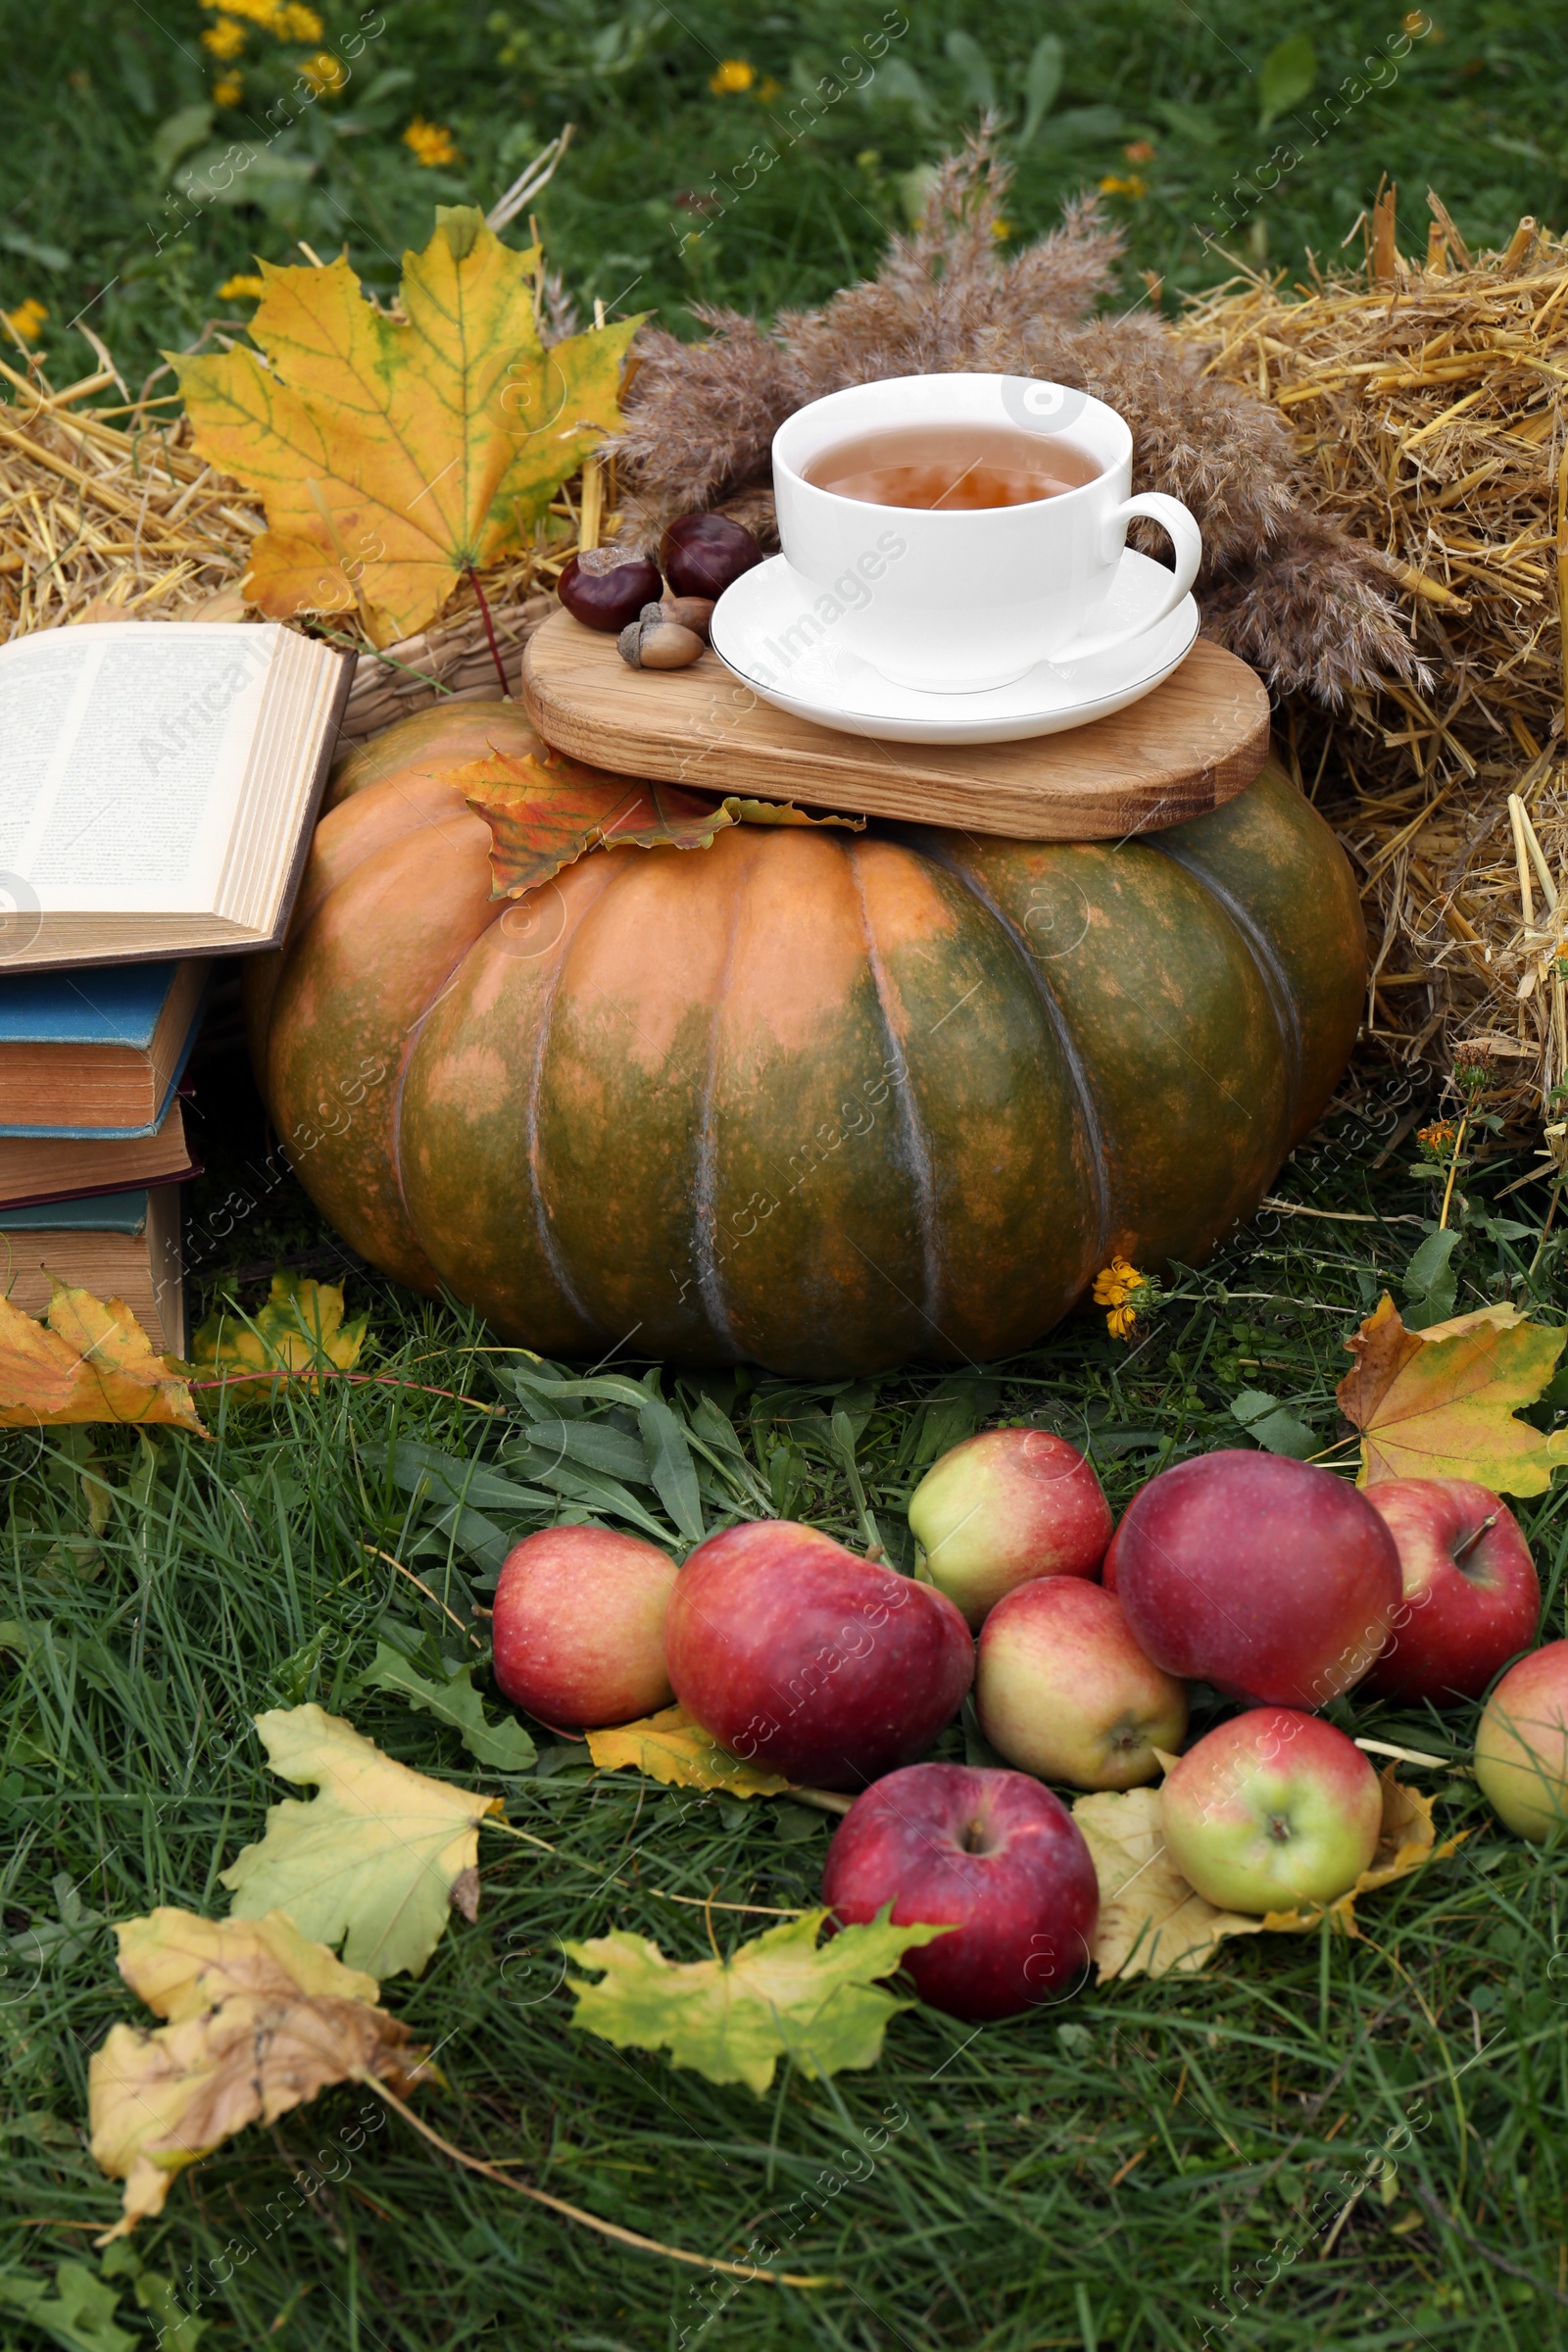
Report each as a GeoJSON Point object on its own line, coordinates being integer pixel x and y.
{"type": "Point", "coordinates": [97, 1052]}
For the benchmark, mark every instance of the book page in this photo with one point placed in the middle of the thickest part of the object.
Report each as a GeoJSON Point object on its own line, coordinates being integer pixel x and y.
{"type": "Point", "coordinates": [132, 808]}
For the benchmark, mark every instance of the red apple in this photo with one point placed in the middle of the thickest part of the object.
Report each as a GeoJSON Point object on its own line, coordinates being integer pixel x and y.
{"type": "Point", "coordinates": [992, 1855]}
{"type": "Point", "coordinates": [1471, 1592]}
{"type": "Point", "coordinates": [1063, 1690]}
{"type": "Point", "coordinates": [1004, 1508]}
{"type": "Point", "coordinates": [1109, 1565]}
{"type": "Point", "coordinates": [578, 1626]}
{"type": "Point", "coordinates": [1269, 1578]}
{"type": "Point", "coordinates": [1272, 1809]}
{"type": "Point", "coordinates": [794, 1653]}
{"type": "Point", "coordinates": [1522, 1745]}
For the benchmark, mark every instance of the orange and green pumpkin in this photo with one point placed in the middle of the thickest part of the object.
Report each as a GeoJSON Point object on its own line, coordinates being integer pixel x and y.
{"type": "Point", "coordinates": [820, 1098]}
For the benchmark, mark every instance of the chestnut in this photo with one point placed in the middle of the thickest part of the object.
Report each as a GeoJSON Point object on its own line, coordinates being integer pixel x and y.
{"type": "Point", "coordinates": [703, 555]}
{"type": "Point", "coordinates": [607, 587]}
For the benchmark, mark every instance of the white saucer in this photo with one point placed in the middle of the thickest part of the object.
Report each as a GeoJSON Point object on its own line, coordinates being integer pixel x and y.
{"type": "Point", "coordinates": [839, 688]}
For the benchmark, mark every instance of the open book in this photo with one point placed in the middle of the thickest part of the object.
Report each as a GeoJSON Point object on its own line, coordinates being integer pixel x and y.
{"type": "Point", "coordinates": [158, 781]}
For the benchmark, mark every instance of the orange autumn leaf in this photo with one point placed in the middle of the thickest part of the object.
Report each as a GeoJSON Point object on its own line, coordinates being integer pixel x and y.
{"type": "Point", "coordinates": [393, 449]}
{"type": "Point", "coordinates": [91, 1362]}
{"type": "Point", "coordinates": [543, 813]}
{"type": "Point", "coordinates": [1442, 1402]}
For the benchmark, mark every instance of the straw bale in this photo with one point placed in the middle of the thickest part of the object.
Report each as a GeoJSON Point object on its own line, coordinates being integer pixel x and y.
{"type": "Point", "coordinates": [1426, 405]}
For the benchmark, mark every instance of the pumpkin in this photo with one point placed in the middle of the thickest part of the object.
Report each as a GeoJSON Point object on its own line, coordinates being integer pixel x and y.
{"type": "Point", "coordinates": [819, 1099]}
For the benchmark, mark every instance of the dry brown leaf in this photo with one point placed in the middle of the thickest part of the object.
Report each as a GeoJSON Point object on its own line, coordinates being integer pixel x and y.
{"type": "Point", "coordinates": [671, 1748]}
{"type": "Point", "coordinates": [259, 2020]}
{"type": "Point", "coordinates": [1442, 1402]}
{"type": "Point", "coordinates": [92, 1362]}
{"type": "Point", "coordinates": [397, 450]}
{"type": "Point", "coordinates": [1151, 1922]}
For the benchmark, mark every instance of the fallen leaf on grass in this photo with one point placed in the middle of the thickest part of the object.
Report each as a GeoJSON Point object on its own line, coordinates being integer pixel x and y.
{"type": "Point", "coordinates": [395, 449]}
{"type": "Point", "coordinates": [299, 1335]}
{"type": "Point", "coordinates": [502, 1746]}
{"type": "Point", "coordinates": [1153, 1923]}
{"type": "Point", "coordinates": [1150, 1921]}
{"type": "Point", "coordinates": [671, 1748]}
{"type": "Point", "coordinates": [1442, 1402]}
{"type": "Point", "coordinates": [543, 813]}
{"type": "Point", "coordinates": [259, 2020]}
{"type": "Point", "coordinates": [372, 1860]}
{"type": "Point", "coordinates": [778, 1996]}
{"type": "Point", "coordinates": [80, 2313]}
{"type": "Point", "coordinates": [91, 1362]}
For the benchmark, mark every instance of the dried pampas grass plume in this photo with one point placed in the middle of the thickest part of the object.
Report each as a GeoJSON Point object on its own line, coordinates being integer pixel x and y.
{"type": "Point", "coordinates": [1310, 607]}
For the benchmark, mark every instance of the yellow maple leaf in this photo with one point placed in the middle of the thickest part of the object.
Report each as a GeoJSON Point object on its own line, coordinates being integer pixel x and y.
{"type": "Point", "coordinates": [92, 1362]}
{"type": "Point", "coordinates": [259, 2020]}
{"type": "Point", "coordinates": [1440, 1403]}
{"type": "Point", "coordinates": [396, 451]}
{"type": "Point", "coordinates": [299, 1335]}
{"type": "Point", "coordinates": [1153, 1923]}
{"type": "Point", "coordinates": [670, 1748]}
{"type": "Point", "coordinates": [376, 1861]}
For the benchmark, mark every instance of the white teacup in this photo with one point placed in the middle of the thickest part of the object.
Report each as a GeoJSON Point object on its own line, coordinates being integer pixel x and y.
{"type": "Point", "coordinates": [955, 602]}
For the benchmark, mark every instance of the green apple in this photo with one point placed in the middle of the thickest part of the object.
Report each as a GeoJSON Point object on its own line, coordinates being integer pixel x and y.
{"type": "Point", "coordinates": [1063, 1691]}
{"type": "Point", "coordinates": [1272, 1811]}
{"type": "Point", "coordinates": [1522, 1745]}
{"type": "Point", "coordinates": [1002, 1508]}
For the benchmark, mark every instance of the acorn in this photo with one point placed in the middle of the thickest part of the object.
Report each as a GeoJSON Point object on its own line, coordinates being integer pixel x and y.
{"type": "Point", "coordinates": [607, 587]}
{"type": "Point", "coordinates": [691, 612]}
{"type": "Point", "coordinates": [653, 641]}
{"type": "Point", "coordinates": [703, 555]}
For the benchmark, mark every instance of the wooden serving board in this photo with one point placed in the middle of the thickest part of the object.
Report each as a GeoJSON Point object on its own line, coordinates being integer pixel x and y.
{"type": "Point", "coordinates": [1194, 743]}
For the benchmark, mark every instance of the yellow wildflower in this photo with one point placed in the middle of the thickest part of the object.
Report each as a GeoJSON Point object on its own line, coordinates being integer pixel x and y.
{"type": "Point", "coordinates": [228, 89]}
{"type": "Point", "coordinates": [27, 319]}
{"type": "Point", "coordinates": [1114, 1284]}
{"type": "Point", "coordinates": [1001, 229]}
{"type": "Point", "coordinates": [1131, 185]}
{"type": "Point", "coordinates": [1120, 1322]}
{"type": "Point", "coordinates": [325, 73]}
{"type": "Point", "coordinates": [767, 89]}
{"type": "Point", "coordinates": [733, 74]}
{"type": "Point", "coordinates": [224, 39]}
{"type": "Point", "coordinates": [1438, 1137]}
{"type": "Point", "coordinates": [242, 288]}
{"type": "Point", "coordinates": [432, 143]}
{"type": "Point", "coordinates": [284, 20]}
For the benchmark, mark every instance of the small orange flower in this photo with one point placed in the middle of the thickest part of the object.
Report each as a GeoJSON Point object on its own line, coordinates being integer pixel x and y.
{"type": "Point", "coordinates": [26, 319]}
{"type": "Point", "coordinates": [431, 142]}
{"type": "Point", "coordinates": [731, 74]}
{"type": "Point", "coordinates": [325, 73]}
{"type": "Point", "coordinates": [224, 39]}
{"type": "Point", "coordinates": [1439, 1137]}
{"type": "Point", "coordinates": [1140, 151]}
{"type": "Point", "coordinates": [1114, 1284]}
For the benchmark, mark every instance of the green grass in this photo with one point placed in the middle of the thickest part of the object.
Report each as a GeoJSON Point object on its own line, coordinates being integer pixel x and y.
{"type": "Point", "coordinates": [1125, 2170]}
{"type": "Point", "coordinates": [98, 141]}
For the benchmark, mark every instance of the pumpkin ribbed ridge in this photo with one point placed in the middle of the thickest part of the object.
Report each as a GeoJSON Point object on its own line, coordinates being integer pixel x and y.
{"type": "Point", "coordinates": [819, 1100]}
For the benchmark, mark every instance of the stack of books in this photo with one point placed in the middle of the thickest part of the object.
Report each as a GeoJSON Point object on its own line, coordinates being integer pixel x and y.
{"type": "Point", "coordinates": [158, 786]}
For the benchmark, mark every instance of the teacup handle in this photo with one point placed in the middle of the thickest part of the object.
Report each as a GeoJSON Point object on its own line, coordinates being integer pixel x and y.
{"type": "Point", "coordinates": [1186, 539]}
